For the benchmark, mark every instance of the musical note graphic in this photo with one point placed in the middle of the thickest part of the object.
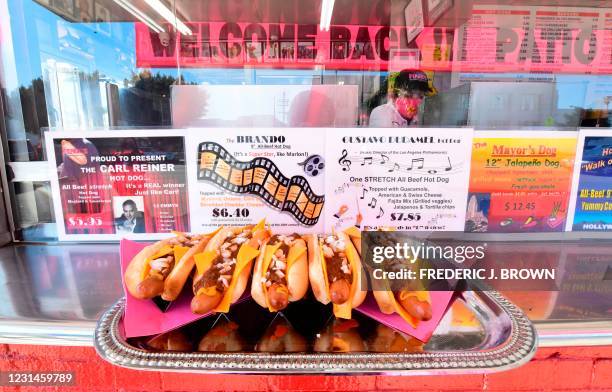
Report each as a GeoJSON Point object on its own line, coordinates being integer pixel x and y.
{"type": "Point", "coordinates": [449, 167]}
{"type": "Point", "coordinates": [363, 193]}
{"type": "Point", "coordinates": [345, 163]}
{"type": "Point", "coordinates": [372, 203]}
{"type": "Point", "coordinates": [418, 160]}
{"type": "Point", "coordinates": [366, 159]}
{"type": "Point", "coordinates": [411, 165]}
{"type": "Point", "coordinates": [359, 217]}
{"type": "Point", "coordinates": [381, 213]}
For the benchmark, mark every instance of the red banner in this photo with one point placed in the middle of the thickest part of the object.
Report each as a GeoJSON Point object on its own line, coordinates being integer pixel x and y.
{"type": "Point", "coordinates": [218, 44]}
{"type": "Point", "coordinates": [494, 40]}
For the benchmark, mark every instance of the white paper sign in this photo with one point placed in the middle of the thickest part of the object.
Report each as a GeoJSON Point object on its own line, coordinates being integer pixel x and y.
{"type": "Point", "coordinates": [409, 179]}
{"type": "Point", "coordinates": [240, 176]}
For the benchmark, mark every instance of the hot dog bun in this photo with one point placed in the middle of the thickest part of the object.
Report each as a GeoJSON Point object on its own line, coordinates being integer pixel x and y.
{"type": "Point", "coordinates": [296, 273]}
{"type": "Point", "coordinates": [149, 287]}
{"type": "Point", "coordinates": [177, 278]}
{"type": "Point", "coordinates": [319, 280]}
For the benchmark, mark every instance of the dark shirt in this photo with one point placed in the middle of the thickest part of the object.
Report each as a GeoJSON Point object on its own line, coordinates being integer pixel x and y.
{"type": "Point", "coordinates": [139, 219]}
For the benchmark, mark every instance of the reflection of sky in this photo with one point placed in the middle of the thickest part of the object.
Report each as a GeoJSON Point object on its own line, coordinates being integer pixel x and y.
{"type": "Point", "coordinates": [39, 34]}
{"type": "Point", "coordinates": [109, 48]}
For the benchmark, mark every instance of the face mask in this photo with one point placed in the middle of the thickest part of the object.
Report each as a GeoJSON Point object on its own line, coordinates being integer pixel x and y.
{"type": "Point", "coordinates": [407, 107]}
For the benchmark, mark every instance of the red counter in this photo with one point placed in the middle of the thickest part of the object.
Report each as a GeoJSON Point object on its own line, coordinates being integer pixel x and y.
{"type": "Point", "coordinates": [552, 369]}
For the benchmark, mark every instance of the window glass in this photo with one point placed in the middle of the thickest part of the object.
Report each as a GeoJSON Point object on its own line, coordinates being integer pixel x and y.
{"type": "Point", "coordinates": [88, 65]}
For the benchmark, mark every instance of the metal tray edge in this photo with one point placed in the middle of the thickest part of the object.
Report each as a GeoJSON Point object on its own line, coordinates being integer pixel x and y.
{"type": "Point", "coordinates": [514, 352]}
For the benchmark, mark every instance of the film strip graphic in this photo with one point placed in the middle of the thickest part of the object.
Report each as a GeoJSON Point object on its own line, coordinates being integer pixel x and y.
{"type": "Point", "coordinates": [262, 178]}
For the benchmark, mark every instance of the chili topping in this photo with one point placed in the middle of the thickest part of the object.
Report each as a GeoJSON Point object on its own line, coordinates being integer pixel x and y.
{"type": "Point", "coordinates": [336, 261]}
{"type": "Point", "coordinates": [219, 275]}
{"type": "Point", "coordinates": [277, 269]}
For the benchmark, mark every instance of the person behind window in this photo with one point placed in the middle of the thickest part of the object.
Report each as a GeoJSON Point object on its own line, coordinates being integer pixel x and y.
{"type": "Point", "coordinates": [404, 96]}
{"type": "Point", "coordinates": [132, 220]}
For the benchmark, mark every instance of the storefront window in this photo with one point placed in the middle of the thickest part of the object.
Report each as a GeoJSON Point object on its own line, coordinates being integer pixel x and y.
{"type": "Point", "coordinates": [90, 65]}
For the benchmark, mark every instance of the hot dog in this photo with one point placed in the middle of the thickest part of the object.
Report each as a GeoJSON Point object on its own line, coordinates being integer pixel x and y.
{"type": "Point", "coordinates": [280, 275]}
{"type": "Point", "coordinates": [280, 337]}
{"type": "Point", "coordinates": [388, 340]}
{"type": "Point", "coordinates": [163, 267]}
{"type": "Point", "coordinates": [341, 336]}
{"type": "Point", "coordinates": [223, 336]}
{"type": "Point", "coordinates": [223, 268]}
{"type": "Point", "coordinates": [412, 304]}
{"type": "Point", "coordinates": [335, 272]}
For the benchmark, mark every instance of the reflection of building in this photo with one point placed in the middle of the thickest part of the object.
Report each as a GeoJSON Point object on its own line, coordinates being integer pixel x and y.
{"type": "Point", "coordinates": [281, 106]}
{"type": "Point", "coordinates": [475, 219]}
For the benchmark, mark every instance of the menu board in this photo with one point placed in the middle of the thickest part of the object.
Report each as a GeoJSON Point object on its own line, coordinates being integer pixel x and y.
{"type": "Point", "coordinates": [591, 197]}
{"type": "Point", "coordinates": [534, 39]}
{"type": "Point", "coordinates": [408, 179]}
{"type": "Point", "coordinates": [606, 47]}
{"type": "Point", "coordinates": [240, 176]}
{"type": "Point", "coordinates": [520, 181]}
{"type": "Point", "coordinates": [107, 187]}
{"type": "Point", "coordinates": [480, 37]}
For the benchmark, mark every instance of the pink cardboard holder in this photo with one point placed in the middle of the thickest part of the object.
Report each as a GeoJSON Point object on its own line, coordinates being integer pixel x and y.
{"type": "Point", "coordinates": [142, 317]}
{"type": "Point", "coordinates": [440, 301]}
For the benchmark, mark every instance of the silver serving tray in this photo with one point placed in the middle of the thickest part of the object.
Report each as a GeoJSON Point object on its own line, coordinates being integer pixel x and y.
{"type": "Point", "coordinates": [506, 339]}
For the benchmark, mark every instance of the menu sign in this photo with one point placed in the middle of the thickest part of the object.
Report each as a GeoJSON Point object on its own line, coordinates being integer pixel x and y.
{"type": "Point", "coordinates": [591, 201]}
{"type": "Point", "coordinates": [520, 182]}
{"type": "Point", "coordinates": [534, 39]}
{"type": "Point", "coordinates": [107, 187]}
{"type": "Point", "coordinates": [414, 179]}
{"type": "Point", "coordinates": [241, 176]}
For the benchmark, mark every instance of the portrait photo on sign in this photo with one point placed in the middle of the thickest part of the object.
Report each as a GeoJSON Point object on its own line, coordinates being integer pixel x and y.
{"type": "Point", "coordinates": [128, 213]}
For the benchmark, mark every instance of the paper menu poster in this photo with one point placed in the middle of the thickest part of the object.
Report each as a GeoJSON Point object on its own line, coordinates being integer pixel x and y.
{"type": "Point", "coordinates": [107, 187]}
{"type": "Point", "coordinates": [520, 181]}
{"type": "Point", "coordinates": [240, 176]}
{"type": "Point", "coordinates": [408, 179]}
{"type": "Point", "coordinates": [591, 196]}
